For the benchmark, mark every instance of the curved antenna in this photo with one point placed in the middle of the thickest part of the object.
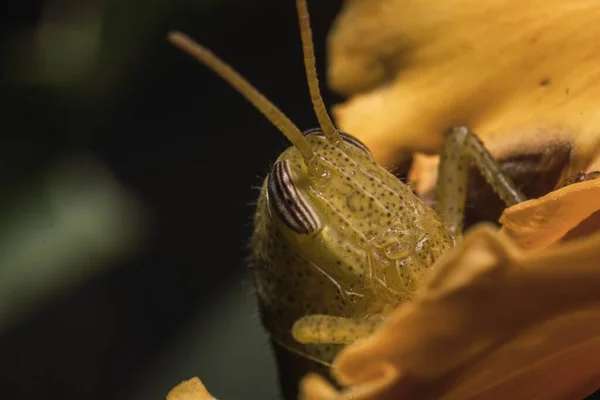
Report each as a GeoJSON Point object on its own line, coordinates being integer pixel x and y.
{"type": "Point", "coordinates": [268, 109]}
{"type": "Point", "coordinates": [327, 125]}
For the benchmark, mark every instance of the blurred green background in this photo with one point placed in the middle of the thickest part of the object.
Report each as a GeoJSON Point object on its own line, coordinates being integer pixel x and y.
{"type": "Point", "coordinates": [127, 172]}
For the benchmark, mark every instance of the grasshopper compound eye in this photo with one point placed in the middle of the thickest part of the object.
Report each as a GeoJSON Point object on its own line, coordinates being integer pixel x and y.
{"type": "Point", "coordinates": [346, 137]}
{"type": "Point", "coordinates": [288, 187]}
{"type": "Point", "coordinates": [286, 199]}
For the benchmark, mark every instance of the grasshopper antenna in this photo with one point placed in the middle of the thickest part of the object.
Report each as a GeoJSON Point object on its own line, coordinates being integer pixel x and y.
{"type": "Point", "coordinates": [268, 109]}
{"type": "Point", "coordinates": [327, 125]}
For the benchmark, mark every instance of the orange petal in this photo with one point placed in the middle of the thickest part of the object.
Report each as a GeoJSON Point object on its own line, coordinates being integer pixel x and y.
{"type": "Point", "coordinates": [192, 389]}
{"type": "Point", "coordinates": [541, 222]}
{"type": "Point", "coordinates": [414, 68]}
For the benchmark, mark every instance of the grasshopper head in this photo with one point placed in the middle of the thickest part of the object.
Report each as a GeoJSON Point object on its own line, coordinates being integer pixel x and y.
{"type": "Point", "coordinates": [348, 216]}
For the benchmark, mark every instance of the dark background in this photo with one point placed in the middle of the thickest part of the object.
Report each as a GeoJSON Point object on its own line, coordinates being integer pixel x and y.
{"type": "Point", "coordinates": [190, 149]}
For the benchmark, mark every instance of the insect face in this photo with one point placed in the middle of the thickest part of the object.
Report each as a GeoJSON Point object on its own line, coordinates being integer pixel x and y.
{"type": "Point", "coordinates": [359, 224]}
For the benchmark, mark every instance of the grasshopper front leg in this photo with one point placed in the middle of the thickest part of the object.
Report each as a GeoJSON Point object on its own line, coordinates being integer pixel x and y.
{"type": "Point", "coordinates": [321, 329]}
{"type": "Point", "coordinates": [461, 149]}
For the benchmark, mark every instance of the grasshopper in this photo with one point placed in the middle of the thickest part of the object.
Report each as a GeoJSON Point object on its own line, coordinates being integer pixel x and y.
{"type": "Point", "coordinates": [338, 240]}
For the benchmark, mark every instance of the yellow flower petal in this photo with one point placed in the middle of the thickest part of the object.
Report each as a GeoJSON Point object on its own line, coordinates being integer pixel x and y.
{"type": "Point", "coordinates": [522, 75]}
{"type": "Point", "coordinates": [539, 223]}
{"type": "Point", "coordinates": [192, 389]}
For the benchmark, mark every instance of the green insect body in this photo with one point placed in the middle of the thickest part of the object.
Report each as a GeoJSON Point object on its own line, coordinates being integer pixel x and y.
{"type": "Point", "coordinates": [338, 240]}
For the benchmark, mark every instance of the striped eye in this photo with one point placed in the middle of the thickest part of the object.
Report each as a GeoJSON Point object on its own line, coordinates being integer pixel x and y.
{"type": "Point", "coordinates": [349, 139]}
{"type": "Point", "coordinates": [288, 203]}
